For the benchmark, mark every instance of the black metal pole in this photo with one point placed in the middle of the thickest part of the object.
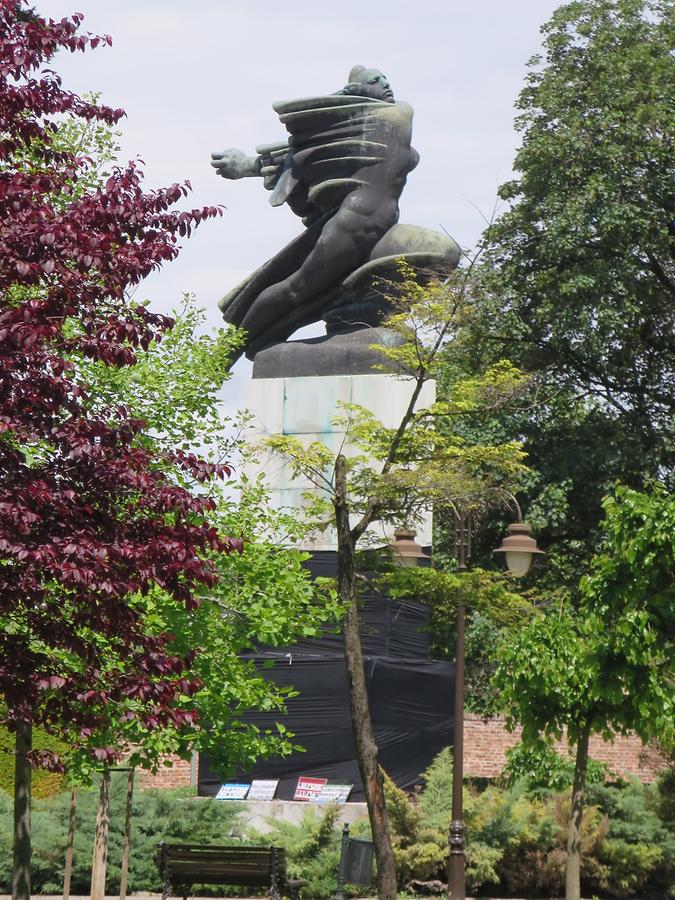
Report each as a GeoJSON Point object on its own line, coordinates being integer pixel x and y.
{"type": "Point", "coordinates": [456, 880]}
{"type": "Point", "coordinates": [340, 893]}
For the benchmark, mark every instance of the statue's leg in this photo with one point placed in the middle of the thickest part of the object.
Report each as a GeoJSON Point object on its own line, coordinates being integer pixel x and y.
{"type": "Point", "coordinates": [346, 240]}
{"type": "Point", "coordinates": [237, 303]}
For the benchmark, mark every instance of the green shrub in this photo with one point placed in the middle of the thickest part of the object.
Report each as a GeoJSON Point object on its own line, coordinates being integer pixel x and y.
{"type": "Point", "coordinates": [6, 821]}
{"type": "Point", "coordinates": [536, 856]}
{"type": "Point", "coordinates": [436, 798]}
{"type": "Point", "coordinates": [480, 862]}
{"type": "Point", "coordinates": [639, 848]}
{"type": "Point", "coordinates": [544, 769]}
{"type": "Point", "coordinates": [629, 866]}
{"type": "Point", "coordinates": [436, 807]}
{"type": "Point", "coordinates": [665, 794]}
{"type": "Point", "coordinates": [157, 815]}
{"type": "Point", "coordinates": [420, 848]}
{"type": "Point", "coordinates": [44, 783]}
{"type": "Point", "coordinates": [516, 840]}
{"type": "Point", "coordinates": [312, 849]}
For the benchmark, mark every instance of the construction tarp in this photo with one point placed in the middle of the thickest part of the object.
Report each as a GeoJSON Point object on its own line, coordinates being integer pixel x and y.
{"type": "Point", "coordinates": [411, 703]}
{"type": "Point", "coordinates": [411, 699]}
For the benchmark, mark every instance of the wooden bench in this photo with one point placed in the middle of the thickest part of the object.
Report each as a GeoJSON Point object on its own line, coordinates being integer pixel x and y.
{"type": "Point", "coordinates": [183, 865]}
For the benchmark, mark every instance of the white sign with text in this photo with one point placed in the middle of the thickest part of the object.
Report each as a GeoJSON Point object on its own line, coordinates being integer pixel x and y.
{"type": "Point", "coordinates": [233, 792]}
{"type": "Point", "coordinates": [262, 790]}
{"type": "Point", "coordinates": [334, 793]}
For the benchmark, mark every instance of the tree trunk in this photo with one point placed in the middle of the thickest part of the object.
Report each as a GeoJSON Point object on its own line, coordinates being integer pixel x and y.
{"type": "Point", "coordinates": [68, 871]}
{"type": "Point", "coordinates": [100, 859]}
{"type": "Point", "coordinates": [573, 868]}
{"type": "Point", "coordinates": [124, 875]}
{"type": "Point", "coordinates": [364, 738]}
{"type": "Point", "coordinates": [22, 797]}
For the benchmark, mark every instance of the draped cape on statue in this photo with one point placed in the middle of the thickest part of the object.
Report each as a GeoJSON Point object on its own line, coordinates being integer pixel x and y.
{"type": "Point", "coordinates": [330, 143]}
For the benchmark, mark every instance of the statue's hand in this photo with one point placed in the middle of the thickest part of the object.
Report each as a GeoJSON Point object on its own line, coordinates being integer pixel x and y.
{"type": "Point", "coordinates": [233, 164]}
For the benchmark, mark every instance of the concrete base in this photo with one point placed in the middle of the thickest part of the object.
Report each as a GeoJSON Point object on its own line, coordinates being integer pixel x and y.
{"type": "Point", "coordinates": [259, 814]}
{"type": "Point", "coordinates": [305, 408]}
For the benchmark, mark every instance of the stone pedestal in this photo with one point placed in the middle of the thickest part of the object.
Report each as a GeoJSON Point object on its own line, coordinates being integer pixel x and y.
{"type": "Point", "coordinates": [304, 407]}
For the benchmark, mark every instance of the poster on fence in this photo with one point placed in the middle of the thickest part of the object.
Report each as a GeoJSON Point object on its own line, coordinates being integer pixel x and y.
{"type": "Point", "coordinates": [334, 793]}
{"type": "Point", "coordinates": [309, 788]}
{"type": "Point", "coordinates": [262, 790]}
{"type": "Point", "coordinates": [233, 792]}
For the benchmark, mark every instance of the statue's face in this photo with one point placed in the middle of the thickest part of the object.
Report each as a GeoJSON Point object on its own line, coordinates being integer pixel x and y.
{"type": "Point", "coordinates": [375, 85]}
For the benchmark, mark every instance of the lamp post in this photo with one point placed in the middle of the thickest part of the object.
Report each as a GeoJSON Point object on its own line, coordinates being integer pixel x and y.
{"type": "Point", "coordinates": [456, 874]}
{"type": "Point", "coordinates": [519, 547]}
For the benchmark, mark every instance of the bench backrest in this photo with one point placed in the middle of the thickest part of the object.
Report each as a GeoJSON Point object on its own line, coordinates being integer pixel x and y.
{"type": "Point", "coordinates": [215, 864]}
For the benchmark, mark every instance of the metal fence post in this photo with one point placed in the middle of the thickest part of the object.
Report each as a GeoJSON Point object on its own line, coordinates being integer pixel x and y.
{"type": "Point", "coordinates": [340, 893]}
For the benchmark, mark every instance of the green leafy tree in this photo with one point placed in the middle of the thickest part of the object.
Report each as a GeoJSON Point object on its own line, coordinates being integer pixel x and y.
{"type": "Point", "coordinates": [393, 475]}
{"type": "Point", "coordinates": [584, 254]}
{"type": "Point", "coordinates": [609, 667]}
{"type": "Point", "coordinates": [262, 595]}
{"type": "Point", "coordinates": [578, 285]}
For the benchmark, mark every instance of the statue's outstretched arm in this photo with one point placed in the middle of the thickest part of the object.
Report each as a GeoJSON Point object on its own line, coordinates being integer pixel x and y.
{"type": "Point", "coordinates": [234, 164]}
{"type": "Point", "coordinates": [269, 163]}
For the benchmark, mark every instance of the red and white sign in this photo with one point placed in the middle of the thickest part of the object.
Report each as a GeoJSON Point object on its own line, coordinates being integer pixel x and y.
{"type": "Point", "coordinates": [309, 788]}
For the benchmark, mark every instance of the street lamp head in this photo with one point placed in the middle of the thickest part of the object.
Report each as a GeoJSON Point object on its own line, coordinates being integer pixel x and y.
{"type": "Point", "coordinates": [519, 547]}
{"type": "Point", "coordinates": [407, 552]}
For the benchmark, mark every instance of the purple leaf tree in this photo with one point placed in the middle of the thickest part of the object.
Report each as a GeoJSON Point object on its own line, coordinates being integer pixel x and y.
{"type": "Point", "coordinates": [89, 520]}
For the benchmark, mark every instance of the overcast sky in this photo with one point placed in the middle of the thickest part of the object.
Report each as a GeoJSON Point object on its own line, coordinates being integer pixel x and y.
{"type": "Point", "coordinates": [202, 75]}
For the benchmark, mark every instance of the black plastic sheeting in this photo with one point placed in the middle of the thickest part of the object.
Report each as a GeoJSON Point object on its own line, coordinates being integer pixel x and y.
{"type": "Point", "coordinates": [387, 628]}
{"type": "Point", "coordinates": [411, 700]}
{"type": "Point", "coordinates": [411, 708]}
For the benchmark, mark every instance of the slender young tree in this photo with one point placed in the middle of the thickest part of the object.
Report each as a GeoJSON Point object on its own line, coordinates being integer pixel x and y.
{"type": "Point", "coordinates": [607, 668]}
{"type": "Point", "coordinates": [393, 474]}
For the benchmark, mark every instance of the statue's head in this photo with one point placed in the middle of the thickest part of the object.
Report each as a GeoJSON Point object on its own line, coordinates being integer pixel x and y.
{"type": "Point", "coordinates": [369, 83]}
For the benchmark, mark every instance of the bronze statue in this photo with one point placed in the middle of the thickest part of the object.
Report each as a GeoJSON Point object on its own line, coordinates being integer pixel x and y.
{"type": "Point", "coordinates": [342, 171]}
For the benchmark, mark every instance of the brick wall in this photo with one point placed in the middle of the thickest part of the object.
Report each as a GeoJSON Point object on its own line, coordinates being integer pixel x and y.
{"type": "Point", "coordinates": [485, 745]}
{"type": "Point", "coordinates": [175, 775]}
